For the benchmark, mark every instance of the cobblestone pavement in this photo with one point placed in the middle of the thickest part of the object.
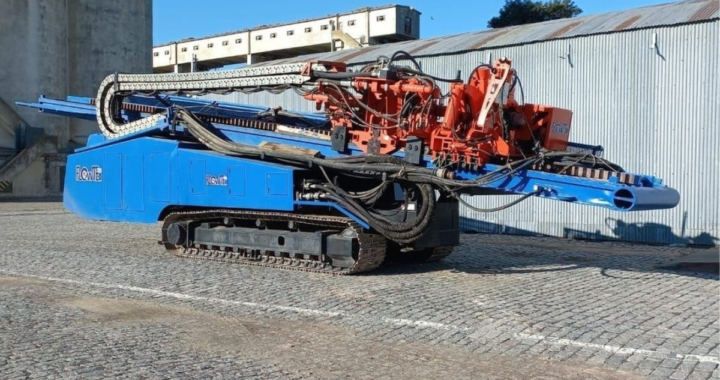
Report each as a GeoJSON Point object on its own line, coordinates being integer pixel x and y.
{"type": "Point", "coordinates": [82, 299]}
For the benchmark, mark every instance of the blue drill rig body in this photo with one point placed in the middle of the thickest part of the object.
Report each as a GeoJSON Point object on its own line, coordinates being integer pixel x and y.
{"type": "Point", "coordinates": [378, 173]}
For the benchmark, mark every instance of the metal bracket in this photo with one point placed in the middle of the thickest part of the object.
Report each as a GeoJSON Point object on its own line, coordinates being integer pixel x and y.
{"type": "Point", "coordinates": [413, 150]}
{"type": "Point", "coordinates": [374, 143]}
{"type": "Point", "coordinates": [654, 46]}
{"type": "Point", "coordinates": [340, 139]}
{"type": "Point", "coordinates": [568, 56]}
{"type": "Point", "coordinates": [170, 115]}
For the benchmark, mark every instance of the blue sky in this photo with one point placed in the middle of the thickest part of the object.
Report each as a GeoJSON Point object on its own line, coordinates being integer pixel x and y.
{"type": "Point", "coordinates": [178, 19]}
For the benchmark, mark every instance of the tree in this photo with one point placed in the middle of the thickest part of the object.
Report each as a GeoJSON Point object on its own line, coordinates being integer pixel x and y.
{"type": "Point", "coordinates": [519, 12]}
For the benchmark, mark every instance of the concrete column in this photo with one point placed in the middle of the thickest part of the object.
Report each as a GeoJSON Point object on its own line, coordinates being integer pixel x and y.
{"type": "Point", "coordinates": [104, 37]}
{"type": "Point", "coordinates": [33, 34]}
{"type": "Point", "coordinates": [255, 58]}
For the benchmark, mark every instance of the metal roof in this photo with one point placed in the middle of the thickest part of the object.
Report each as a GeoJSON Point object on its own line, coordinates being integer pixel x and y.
{"type": "Point", "coordinates": [668, 14]}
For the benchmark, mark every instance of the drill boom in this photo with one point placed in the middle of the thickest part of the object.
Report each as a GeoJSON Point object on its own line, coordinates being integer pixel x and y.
{"type": "Point", "coordinates": [382, 170]}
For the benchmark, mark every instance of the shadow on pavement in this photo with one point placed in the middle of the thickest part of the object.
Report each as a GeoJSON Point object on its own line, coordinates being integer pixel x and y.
{"type": "Point", "coordinates": [644, 233]}
{"type": "Point", "coordinates": [512, 253]}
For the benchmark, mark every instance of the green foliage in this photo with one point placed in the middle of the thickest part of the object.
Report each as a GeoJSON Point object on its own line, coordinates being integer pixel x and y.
{"type": "Point", "coordinates": [519, 12]}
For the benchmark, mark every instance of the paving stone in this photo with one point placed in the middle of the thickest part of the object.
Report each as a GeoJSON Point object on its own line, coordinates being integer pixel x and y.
{"type": "Point", "coordinates": [670, 363]}
{"type": "Point", "coordinates": [507, 291]}
{"type": "Point", "coordinates": [706, 366]}
{"type": "Point", "coordinates": [699, 375]}
{"type": "Point", "coordinates": [661, 373]}
{"type": "Point", "coordinates": [679, 375]}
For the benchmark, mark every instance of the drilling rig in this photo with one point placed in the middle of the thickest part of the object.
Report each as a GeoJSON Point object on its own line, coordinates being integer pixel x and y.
{"type": "Point", "coordinates": [378, 171]}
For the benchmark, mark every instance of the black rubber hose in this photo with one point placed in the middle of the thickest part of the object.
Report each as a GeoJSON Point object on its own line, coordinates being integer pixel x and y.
{"type": "Point", "coordinates": [500, 208]}
{"type": "Point", "coordinates": [403, 233]}
{"type": "Point", "coordinates": [213, 141]}
{"type": "Point", "coordinates": [428, 197]}
{"type": "Point", "coordinates": [428, 203]}
{"type": "Point", "coordinates": [414, 235]}
{"type": "Point", "coordinates": [406, 54]}
{"type": "Point", "coordinates": [411, 71]}
{"type": "Point", "coordinates": [476, 68]}
{"type": "Point", "coordinates": [410, 231]}
{"type": "Point", "coordinates": [340, 76]}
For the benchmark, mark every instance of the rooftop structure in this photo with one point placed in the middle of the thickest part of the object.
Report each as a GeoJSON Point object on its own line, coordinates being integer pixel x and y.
{"type": "Point", "coordinates": [359, 28]}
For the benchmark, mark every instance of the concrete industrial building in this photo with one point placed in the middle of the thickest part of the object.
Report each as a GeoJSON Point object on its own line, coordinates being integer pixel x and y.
{"type": "Point", "coordinates": [642, 83]}
{"type": "Point", "coordinates": [361, 27]}
{"type": "Point", "coordinates": [59, 48]}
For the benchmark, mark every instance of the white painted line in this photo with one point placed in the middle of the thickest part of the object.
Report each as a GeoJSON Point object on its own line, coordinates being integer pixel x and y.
{"type": "Point", "coordinates": [392, 321]}
{"type": "Point", "coordinates": [615, 349]}
{"type": "Point", "coordinates": [180, 296]}
{"type": "Point", "coordinates": [254, 305]}
{"type": "Point", "coordinates": [410, 322]}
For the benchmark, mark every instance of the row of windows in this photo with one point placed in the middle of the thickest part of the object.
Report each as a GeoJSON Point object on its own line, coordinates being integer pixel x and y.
{"type": "Point", "coordinates": [290, 32]}
{"type": "Point", "coordinates": [259, 37]}
{"type": "Point", "coordinates": [197, 47]}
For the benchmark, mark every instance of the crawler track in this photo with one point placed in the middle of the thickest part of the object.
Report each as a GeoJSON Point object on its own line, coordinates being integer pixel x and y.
{"type": "Point", "coordinates": [372, 247]}
{"type": "Point", "coordinates": [371, 255]}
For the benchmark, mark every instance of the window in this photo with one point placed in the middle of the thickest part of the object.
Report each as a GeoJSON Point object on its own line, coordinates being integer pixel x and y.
{"type": "Point", "coordinates": [196, 47]}
{"type": "Point", "coordinates": [290, 32]}
{"type": "Point", "coordinates": [156, 54]}
{"type": "Point", "coordinates": [323, 27]}
{"type": "Point", "coordinates": [308, 30]}
{"type": "Point", "coordinates": [225, 43]}
{"type": "Point", "coordinates": [184, 49]}
{"type": "Point", "coordinates": [210, 45]}
{"type": "Point", "coordinates": [167, 52]}
{"type": "Point", "coordinates": [273, 35]}
{"type": "Point", "coordinates": [239, 40]}
{"type": "Point", "coordinates": [258, 37]}
{"type": "Point", "coordinates": [381, 18]}
{"type": "Point", "coordinates": [351, 22]}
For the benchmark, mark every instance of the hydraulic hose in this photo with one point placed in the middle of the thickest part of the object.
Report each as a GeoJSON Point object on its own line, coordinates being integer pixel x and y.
{"type": "Point", "coordinates": [204, 133]}
{"type": "Point", "coordinates": [340, 76]}
{"type": "Point", "coordinates": [424, 179]}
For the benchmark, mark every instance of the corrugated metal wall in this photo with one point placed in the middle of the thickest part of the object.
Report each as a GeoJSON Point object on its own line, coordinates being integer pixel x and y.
{"type": "Point", "coordinates": [654, 109]}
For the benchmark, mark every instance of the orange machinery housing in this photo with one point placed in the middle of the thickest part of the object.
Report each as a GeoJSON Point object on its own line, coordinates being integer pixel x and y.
{"type": "Point", "coordinates": [397, 109]}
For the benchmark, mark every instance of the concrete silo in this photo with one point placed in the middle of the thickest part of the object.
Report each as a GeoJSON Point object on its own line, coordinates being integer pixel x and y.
{"type": "Point", "coordinates": [59, 48]}
{"type": "Point", "coordinates": [103, 37]}
{"type": "Point", "coordinates": [33, 38]}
